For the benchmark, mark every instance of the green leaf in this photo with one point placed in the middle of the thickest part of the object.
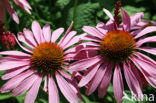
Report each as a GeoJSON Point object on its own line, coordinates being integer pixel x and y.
{"type": "Point", "coordinates": [85, 15]}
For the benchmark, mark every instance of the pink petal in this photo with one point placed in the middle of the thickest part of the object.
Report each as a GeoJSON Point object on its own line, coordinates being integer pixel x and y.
{"type": "Point", "coordinates": [15, 81]}
{"type": "Point", "coordinates": [96, 80]}
{"type": "Point", "coordinates": [13, 64]}
{"type": "Point", "coordinates": [11, 11]}
{"type": "Point", "coordinates": [56, 34]}
{"type": "Point", "coordinates": [93, 31]}
{"type": "Point", "coordinates": [151, 80]}
{"type": "Point", "coordinates": [136, 18]}
{"type": "Point", "coordinates": [2, 15]}
{"type": "Point", "coordinates": [53, 92]}
{"type": "Point", "coordinates": [105, 81]}
{"type": "Point", "coordinates": [132, 82]}
{"type": "Point", "coordinates": [67, 38]}
{"type": "Point", "coordinates": [66, 90]}
{"type": "Point", "coordinates": [37, 31]}
{"type": "Point", "coordinates": [45, 84]}
{"type": "Point", "coordinates": [67, 33]}
{"type": "Point", "coordinates": [14, 53]}
{"type": "Point", "coordinates": [86, 53]}
{"type": "Point", "coordinates": [73, 83]}
{"type": "Point", "coordinates": [13, 72]}
{"type": "Point", "coordinates": [146, 40]}
{"type": "Point", "coordinates": [148, 50]}
{"type": "Point", "coordinates": [147, 66]}
{"type": "Point", "coordinates": [144, 57]}
{"type": "Point", "coordinates": [74, 40]}
{"type": "Point", "coordinates": [118, 84]}
{"type": "Point", "coordinates": [25, 85]}
{"type": "Point", "coordinates": [84, 64]}
{"type": "Point", "coordinates": [89, 74]}
{"type": "Point", "coordinates": [22, 38]}
{"type": "Point", "coordinates": [69, 29]}
{"type": "Point", "coordinates": [47, 32]}
{"type": "Point", "coordinates": [32, 93]}
{"type": "Point", "coordinates": [91, 38]}
{"type": "Point", "coordinates": [136, 73]}
{"type": "Point", "coordinates": [108, 14]}
{"type": "Point", "coordinates": [147, 30]}
{"type": "Point", "coordinates": [24, 48]}
{"type": "Point", "coordinates": [102, 28]}
{"type": "Point", "coordinates": [126, 20]}
{"type": "Point", "coordinates": [29, 36]}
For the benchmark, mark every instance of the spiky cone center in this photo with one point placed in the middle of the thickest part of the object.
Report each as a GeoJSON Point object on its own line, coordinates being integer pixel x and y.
{"type": "Point", "coordinates": [47, 57]}
{"type": "Point", "coordinates": [117, 45]}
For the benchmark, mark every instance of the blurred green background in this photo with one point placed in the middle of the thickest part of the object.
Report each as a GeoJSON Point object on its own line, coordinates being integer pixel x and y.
{"type": "Point", "coordinates": [60, 13]}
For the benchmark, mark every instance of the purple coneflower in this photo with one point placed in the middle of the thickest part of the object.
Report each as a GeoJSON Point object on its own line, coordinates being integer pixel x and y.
{"type": "Point", "coordinates": [113, 48]}
{"type": "Point", "coordinates": [47, 57]}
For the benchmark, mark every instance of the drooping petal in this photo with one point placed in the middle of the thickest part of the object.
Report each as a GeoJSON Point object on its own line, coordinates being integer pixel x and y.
{"type": "Point", "coordinates": [89, 74]}
{"type": "Point", "coordinates": [132, 82]}
{"type": "Point", "coordinates": [32, 93]}
{"type": "Point", "coordinates": [92, 31]}
{"type": "Point", "coordinates": [11, 11]}
{"type": "Point", "coordinates": [37, 31]}
{"type": "Point", "coordinates": [45, 88]}
{"type": "Point", "coordinates": [146, 58]}
{"type": "Point", "coordinates": [148, 77]}
{"type": "Point", "coordinates": [13, 72]}
{"type": "Point", "coordinates": [136, 73]}
{"type": "Point", "coordinates": [66, 90]}
{"type": "Point", "coordinates": [145, 31]}
{"type": "Point", "coordinates": [146, 40]}
{"type": "Point", "coordinates": [126, 20]}
{"type": "Point", "coordinates": [72, 82]}
{"type": "Point", "coordinates": [96, 80]}
{"type": "Point", "coordinates": [84, 64]}
{"type": "Point", "coordinates": [25, 85]}
{"type": "Point", "coordinates": [47, 32]}
{"type": "Point", "coordinates": [56, 34]}
{"type": "Point", "coordinates": [148, 50]}
{"type": "Point", "coordinates": [105, 81]}
{"type": "Point", "coordinates": [15, 81]}
{"type": "Point", "coordinates": [118, 84]}
{"type": "Point", "coordinates": [53, 92]}
{"type": "Point", "coordinates": [145, 65]}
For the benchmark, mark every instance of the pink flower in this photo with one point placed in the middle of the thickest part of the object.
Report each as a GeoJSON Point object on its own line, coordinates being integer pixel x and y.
{"type": "Point", "coordinates": [113, 47]}
{"type": "Point", "coordinates": [46, 59]}
{"type": "Point", "coordinates": [5, 4]}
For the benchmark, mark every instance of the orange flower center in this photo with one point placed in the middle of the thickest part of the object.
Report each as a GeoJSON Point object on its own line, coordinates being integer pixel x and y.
{"type": "Point", "coordinates": [47, 57]}
{"type": "Point", "coordinates": [117, 45]}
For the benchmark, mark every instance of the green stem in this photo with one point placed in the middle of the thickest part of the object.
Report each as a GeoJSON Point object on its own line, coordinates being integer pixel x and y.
{"type": "Point", "coordinates": [74, 12]}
